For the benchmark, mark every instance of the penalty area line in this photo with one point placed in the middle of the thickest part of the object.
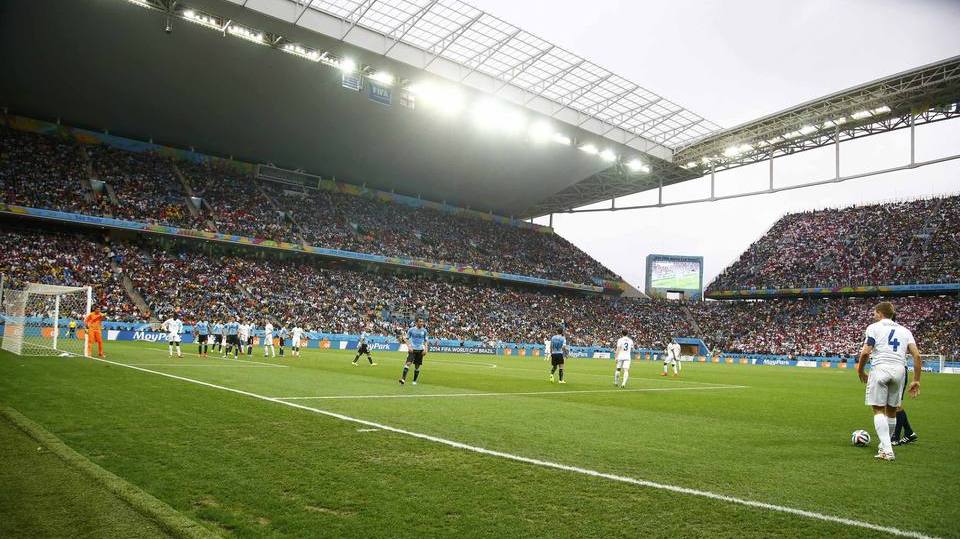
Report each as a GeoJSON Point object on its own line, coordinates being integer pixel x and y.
{"type": "Point", "coordinates": [545, 463]}
{"type": "Point", "coordinates": [507, 394]}
{"type": "Point", "coordinates": [162, 350]}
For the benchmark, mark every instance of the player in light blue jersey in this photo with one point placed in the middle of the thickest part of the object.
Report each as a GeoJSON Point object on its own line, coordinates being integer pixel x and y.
{"type": "Point", "coordinates": [282, 335]}
{"type": "Point", "coordinates": [217, 337]}
{"type": "Point", "coordinates": [200, 330]}
{"type": "Point", "coordinates": [558, 352]}
{"type": "Point", "coordinates": [417, 346]}
{"type": "Point", "coordinates": [232, 331]}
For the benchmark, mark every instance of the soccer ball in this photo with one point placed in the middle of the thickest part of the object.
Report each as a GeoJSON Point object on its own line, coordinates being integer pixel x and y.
{"type": "Point", "coordinates": [860, 438]}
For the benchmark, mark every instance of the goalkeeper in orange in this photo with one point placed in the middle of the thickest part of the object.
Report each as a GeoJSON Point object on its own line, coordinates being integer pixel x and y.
{"type": "Point", "coordinates": [94, 331]}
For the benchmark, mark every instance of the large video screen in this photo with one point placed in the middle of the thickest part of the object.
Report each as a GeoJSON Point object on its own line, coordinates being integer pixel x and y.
{"type": "Point", "coordinates": [675, 274]}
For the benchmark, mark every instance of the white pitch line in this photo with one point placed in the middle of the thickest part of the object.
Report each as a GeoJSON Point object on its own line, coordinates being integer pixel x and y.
{"type": "Point", "coordinates": [222, 358]}
{"type": "Point", "coordinates": [506, 394]}
{"type": "Point", "coordinates": [548, 464]}
{"type": "Point", "coordinates": [210, 365]}
{"type": "Point", "coordinates": [368, 430]}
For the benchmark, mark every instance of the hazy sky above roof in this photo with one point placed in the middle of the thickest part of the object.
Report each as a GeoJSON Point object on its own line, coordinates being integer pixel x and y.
{"type": "Point", "coordinates": [733, 61]}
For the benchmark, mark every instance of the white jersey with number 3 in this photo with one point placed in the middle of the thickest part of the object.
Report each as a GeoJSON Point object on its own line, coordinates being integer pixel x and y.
{"type": "Point", "coordinates": [889, 341]}
{"type": "Point", "coordinates": [624, 348]}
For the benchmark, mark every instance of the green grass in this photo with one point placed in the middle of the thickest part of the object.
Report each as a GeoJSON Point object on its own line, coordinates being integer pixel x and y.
{"type": "Point", "coordinates": [248, 467]}
{"type": "Point", "coordinates": [690, 281]}
{"type": "Point", "coordinates": [42, 496]}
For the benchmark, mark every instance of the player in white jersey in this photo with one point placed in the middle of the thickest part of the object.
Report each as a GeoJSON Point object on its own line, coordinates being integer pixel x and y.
{"type": "Point", "coordinates": [624, 353]}
{"type": "Point", "coordinates": [886, 345]}
{"type": "Point", "coordinates": [546, 349]}
{"type": "Point", "coordinates": [268, 340]}
{"type": "Point", "coordinates": [671, 356]}
{"type": "Point", "coordinates": [243, 335]}
{"type": "Point", "coordinates": [174, 327]}
{"type": "Point", "coordinates": [296, 334]}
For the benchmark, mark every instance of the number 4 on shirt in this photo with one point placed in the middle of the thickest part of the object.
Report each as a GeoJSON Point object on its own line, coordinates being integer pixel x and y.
{"type": "Point", "coordinates": [893, 342]}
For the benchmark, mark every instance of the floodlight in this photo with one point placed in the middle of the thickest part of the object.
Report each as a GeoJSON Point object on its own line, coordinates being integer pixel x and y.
{"type": "Point", "coordinates": [608, 155]}
{"type": "Point", "coordinates": [383, 77]}
{"type": "Point", "coordinates": [246, 33]}
{"type": "Point", "coordinates": [562, 139]}
{"type": "Point", "coordinates": [302, 52]}
{"type": "Point", "coordinates": [732, 151]}
{"type": "Point", "coordinates": [490, 114]}
{"type": "Point", "coordinates": [691, 164]}
{"type": "Point", "coordinates": [636, 165]}
{"type": "Point", "coordinates": [541, 131]}
{"type": "Point", "coordinates": [347, 65]}
{"type": "Point", "coordinates": [590, 149]}
{"type": "Point", "coordinates": [807, 129]}
{"type": "Point", "coordinates": [189, 14]}
{"type": "Point", "coordinates": [859, 115]}
{"type": "Point", "coordinates": [141, 3]}
{"type": "Point", "coordinates": [881, 110]}
{"type": "Point", "coordinates": [443, 97]}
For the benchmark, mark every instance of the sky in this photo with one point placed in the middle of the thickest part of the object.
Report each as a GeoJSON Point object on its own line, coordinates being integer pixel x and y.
{"type": "Point", "coordinates": [736, 60]}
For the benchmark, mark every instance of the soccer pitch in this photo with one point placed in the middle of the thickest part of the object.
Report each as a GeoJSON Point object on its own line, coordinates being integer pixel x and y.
{"type": "Point", "coordinates": [690, 281]}
{"type": "Point", "coordinates": [484, 446]}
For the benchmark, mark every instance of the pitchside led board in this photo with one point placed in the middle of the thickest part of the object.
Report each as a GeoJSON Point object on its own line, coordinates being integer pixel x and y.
{"type": "Point", "coordinates": [675, 277]}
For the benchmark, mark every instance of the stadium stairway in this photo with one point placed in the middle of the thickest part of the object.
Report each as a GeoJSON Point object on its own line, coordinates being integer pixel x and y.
{"type": "Point", "coordinates": [132, 293]}
{"type": "Point", "coordinates": [295, 230]}
{"type": "Point", "coordinates": [691, 318]}
{"type": "Point", "coordinates": [85, 186]}
{"type": "Point", "coordinates": [194, 211]}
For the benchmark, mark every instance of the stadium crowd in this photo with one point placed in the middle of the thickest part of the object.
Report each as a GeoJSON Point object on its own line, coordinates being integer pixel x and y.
{"type": "Point", "coordinates": [822, 327]}
{"type": "Point", "coordinates": [47, 172]}
{"type": "Point", "coordinates": [64, 259]}
{"type": "Point", "coordinates": [207, 281]}
{"type": "Point", "coordinates": [880, 244]}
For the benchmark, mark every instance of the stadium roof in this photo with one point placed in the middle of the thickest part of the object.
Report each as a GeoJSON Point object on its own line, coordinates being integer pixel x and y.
{"type": "Point", "coordinates": [455, 40]}
{"type": "Point", "coordinates": [108, 64]}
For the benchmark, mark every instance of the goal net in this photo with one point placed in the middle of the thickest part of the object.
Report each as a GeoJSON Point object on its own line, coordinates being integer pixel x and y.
{"type": "Point", "coordinates": [45, 320]}
{"type": "Point", "coordinates": [938, 363]}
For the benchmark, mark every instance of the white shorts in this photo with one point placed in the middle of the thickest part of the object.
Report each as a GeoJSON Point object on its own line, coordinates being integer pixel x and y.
{"type": "Point", "coordinates": [173, 338]}
{"type": "Point", "coordinates": [885, 385]}
{"type": "Point", "coordinates": [669, 360]}
{"type": "Point", "coordinates": [209, 339]}
{"type": "Point", "coordinates": [623, 364]}
{"type": "Point", "coordinates": [268, 340]}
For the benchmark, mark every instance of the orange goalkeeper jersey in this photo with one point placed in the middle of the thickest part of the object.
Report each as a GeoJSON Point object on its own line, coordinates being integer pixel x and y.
{"type": "Point", "coordinates": [93, 320]}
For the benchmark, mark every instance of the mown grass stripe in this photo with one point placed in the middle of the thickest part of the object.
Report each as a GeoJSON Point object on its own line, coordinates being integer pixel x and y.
{"type": "Point", "coordinates": [169, 519]}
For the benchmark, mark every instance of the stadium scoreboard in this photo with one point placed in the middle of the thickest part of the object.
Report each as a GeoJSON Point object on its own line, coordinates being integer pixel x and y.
{"type": "Point", "coordinates": [674, 276]}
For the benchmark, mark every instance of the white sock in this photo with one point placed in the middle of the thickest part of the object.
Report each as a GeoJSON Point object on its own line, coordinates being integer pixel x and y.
{"type": "Point", "coordinates": [676, 370]}
{"type": "Point", "coordinates": [883, 432]}
{"type": "Point", "coordinates": [892, 425]}
{"type": "Point", "coordinates": [665, 366]}
{"type": "Point", "coordinates": [616, 378]}
{"type": "Point", "coordinates": [626, 374]}
{"type": "Point", "coordinates": [171, 349]}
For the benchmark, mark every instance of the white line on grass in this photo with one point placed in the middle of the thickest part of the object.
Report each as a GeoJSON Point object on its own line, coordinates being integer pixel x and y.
{"type": "Point", "coordinates": [210, 365]}
{"type": "Point", "coordinates": [221, 358]}
{"type": "Point", "coordinates": [548, 464]}
{"type": "Point", "coordinates": [368, 430]}
{"type": "Point", "coordinates": [507, 394]}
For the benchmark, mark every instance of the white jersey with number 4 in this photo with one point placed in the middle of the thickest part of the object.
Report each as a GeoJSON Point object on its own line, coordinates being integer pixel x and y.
{"type": "Point", "coordinates": [889, 341]}
{"type": "Point", "coordinates": [268, 333]}
{"type": "Point", "coordinates": [297, 334]}
{"type": "Point", "coordinates": [624, 348]}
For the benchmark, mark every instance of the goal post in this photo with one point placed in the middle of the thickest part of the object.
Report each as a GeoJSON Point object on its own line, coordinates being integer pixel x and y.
{"type": "Point", "coordinates": [45, 320]}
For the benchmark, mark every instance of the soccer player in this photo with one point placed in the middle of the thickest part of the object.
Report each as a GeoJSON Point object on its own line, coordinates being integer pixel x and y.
{"type": "Point", "coordinates": [624, 355]}
{"type": "Point", "coordinates": [174, 327]}
{"type": "Point", "coordinates": [558, 351]}
{"type": "Point", "coordinates": [417, 343]}
{"type": "Point", "coordinates": [244, 337]}
{"type": "Point", "coordinates": [282, 335]}
{"type": "Point", "coordinates": [903, 424]}
{"type": "Point", "coordinates": [671, 356]}
{"type": "Point", "coordinates": [231, 331]}
{"type": "Point", "coordinates": [249, 338]}
{"type": "Point", "coordinates": [296, 334]}
{"type": "Point", "coordinates": [268, 340]}
{"type": "Point", "coordinates": [362, 348]}
{"type": "Point", "coordinates": [72, 329]}
{"type": "Point", "coordinates": [93, 323]}
{"type": "Point", "coordinates": [201, 330]}
{"type": "Point", "coordinates": [886, 345]}
{"type": "Point", "coordinates": [546, 349]}
{"type": "Point", "coordinates": [218, 337]}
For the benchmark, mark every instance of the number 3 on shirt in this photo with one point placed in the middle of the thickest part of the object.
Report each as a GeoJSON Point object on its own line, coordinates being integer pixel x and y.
{"type": "Point", "coordinates": [893, 342]}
